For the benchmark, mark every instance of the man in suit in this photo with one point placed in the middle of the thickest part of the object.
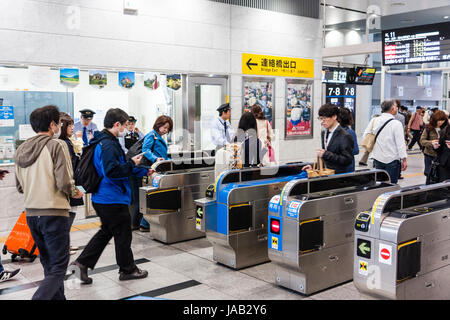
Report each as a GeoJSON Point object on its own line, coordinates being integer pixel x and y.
{"type": "Point", "coordinates": [337, 143]}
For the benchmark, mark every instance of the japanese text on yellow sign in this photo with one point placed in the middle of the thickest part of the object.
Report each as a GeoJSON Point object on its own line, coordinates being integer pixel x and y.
{"type": "Point", "coordinates": [257, 64]}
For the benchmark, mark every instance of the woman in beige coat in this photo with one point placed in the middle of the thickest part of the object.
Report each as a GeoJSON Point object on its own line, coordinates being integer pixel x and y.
{"type": "Point", "coordinates": [265, 133]}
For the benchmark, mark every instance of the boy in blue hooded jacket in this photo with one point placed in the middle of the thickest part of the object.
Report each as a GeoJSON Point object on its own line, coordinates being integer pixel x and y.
{"type": "Point", "coordinates": [112, 199]}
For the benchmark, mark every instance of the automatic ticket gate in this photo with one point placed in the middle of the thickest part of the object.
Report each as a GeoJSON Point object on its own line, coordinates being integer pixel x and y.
{"type": "Point", "coordinates": [167, 202]}
{"type": "Point", "coordinates": [402, 246]}
{"type": "Point", "coordinates": [234, 212]}
{"type": "Point", "coordinates": [310, 235]}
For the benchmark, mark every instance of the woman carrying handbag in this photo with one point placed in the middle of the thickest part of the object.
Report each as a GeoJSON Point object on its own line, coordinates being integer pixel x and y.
{"type": "Point", "coordinates": [265, 134]}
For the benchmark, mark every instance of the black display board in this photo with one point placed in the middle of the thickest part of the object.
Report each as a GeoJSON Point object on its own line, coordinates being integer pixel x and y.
{"type": "Point", "coordinates": [419, 44]}
{"type": "Point", "coordinates": [342, 95]}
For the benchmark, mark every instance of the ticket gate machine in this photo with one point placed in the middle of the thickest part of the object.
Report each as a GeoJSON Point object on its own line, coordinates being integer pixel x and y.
{"type": "Point", "coordinates": [310, 235]}
{"type": "Point", "coordinates": [402, 245]}
{"type": "Point", "coordinates": [167, 202]}
{"type": "Point", "coordinates": [234, 212]}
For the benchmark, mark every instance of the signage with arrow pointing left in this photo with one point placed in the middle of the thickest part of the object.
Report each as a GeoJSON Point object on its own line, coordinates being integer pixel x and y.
{"type": "Point", "coordinates": [363, 248]}
{"type": "Point", "coordinates": [258, 64]}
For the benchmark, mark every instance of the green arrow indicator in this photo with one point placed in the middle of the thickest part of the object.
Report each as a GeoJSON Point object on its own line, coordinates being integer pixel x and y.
{"type": "Point", "coordinates": [200, 212]}
{"type": "Point", "coordinates": [362, 247]}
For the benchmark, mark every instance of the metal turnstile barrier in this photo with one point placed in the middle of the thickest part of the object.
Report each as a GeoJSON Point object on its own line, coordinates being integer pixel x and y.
{"type": "Point", "coordinates": [402, 245]}
{"type": "Point", "coordinates": [167, 203]}
{"type": "Point", "coordinates": [234, 212]}
{"type": "Point", "coordinates": [310, 235]}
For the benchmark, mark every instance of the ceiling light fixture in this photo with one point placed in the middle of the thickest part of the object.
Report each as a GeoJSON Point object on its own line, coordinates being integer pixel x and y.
{"type": "Point", "coordinates": [397, 4]}
{"type": "Point", "coordinates": [446, 17]}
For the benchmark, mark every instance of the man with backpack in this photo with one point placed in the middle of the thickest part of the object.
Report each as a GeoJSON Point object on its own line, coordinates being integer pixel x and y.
{"type": "Point", "coordinates": [111, 199]}
{"type": "Point", "coordinates": [45, 176]}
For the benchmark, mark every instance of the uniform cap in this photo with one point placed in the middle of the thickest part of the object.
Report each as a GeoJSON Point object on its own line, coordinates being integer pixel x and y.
{"type": "Point", "coordinates": [132, 119]}
{"type": "Point", "coordinates": [223, 107]}
{"type": "Point", "coordinates": [87, 113]}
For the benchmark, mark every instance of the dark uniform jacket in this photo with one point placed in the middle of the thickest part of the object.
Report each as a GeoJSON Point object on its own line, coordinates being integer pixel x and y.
{"type": "Point", "coordinates": [339, 153]}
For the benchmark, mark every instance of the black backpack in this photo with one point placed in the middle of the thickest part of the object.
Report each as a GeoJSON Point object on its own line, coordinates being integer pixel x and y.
{"type": "Point", "coordinates": [85, 173]}
{"type": "Point", "coordinates": [137, 149]}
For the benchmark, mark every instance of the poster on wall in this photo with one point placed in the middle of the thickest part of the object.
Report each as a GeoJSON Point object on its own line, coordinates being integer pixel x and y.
{"type": "Point", "coordinates": [174, 81]}
{"type": "Point", "coordinates": [69, 76]}
{"type": "Point", "coordinates": [6, 116]}
{"type": "Point", "coordinates": [151, 80]}
{"type": "Point", "coordinates": [259, 91]}
{"type": "Point", "coordinates": [98, 78]}
{"type": "Point", "coordinates": [126, 79]}
{"type": "Point", "coordinates": [6, 149]}
{"type": "Point", "coordinates": [299, 111]}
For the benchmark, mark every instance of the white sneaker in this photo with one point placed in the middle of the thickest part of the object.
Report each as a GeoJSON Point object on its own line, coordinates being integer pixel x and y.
{"type": "Point", "coordinates": [6, 275]}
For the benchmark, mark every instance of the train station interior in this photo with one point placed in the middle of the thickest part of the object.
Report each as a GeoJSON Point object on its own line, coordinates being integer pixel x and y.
{"type": "Point", "coordinates": [267, 232]}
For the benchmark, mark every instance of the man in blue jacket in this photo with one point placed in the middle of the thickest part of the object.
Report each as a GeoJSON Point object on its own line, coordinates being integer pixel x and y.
{"type": "Point", "coordinates": [112, 199]}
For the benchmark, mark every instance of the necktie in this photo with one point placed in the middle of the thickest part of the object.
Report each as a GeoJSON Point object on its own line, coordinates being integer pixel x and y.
{"type": "Point", "coordinates": [225, 125]}
{"type": "Point", "coordinates": [85, 139]}
{"type": "Point", "coordinates": [326, 139]}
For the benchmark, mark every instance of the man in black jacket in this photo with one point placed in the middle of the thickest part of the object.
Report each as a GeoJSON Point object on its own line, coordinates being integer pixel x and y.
{"type": "Point", "coordinates": [337, 143]}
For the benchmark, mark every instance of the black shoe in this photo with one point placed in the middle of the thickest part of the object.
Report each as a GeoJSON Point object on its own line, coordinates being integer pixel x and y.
{"type": "Point", "coordinates": [137, 274]}
{"type": "Point", "coordinates": [401, 178]}
{"type": "Point", "coordinates": [83, 272]}
{"type": "Point", "coordinates": [7, 275]}
{"type": "Point", "coordinates": [133, 228]}
{"type": "Point", "coordinates": [363, 164]}
{"type": "Point", "coordinates": [142, 229]}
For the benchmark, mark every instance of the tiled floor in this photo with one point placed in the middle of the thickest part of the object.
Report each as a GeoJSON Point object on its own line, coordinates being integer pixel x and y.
{"type": "Point", "coordinates": [185, 270]}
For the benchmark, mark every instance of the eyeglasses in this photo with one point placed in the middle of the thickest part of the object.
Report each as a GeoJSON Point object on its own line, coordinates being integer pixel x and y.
{"type": "Point", "coordinates": [323, 118]}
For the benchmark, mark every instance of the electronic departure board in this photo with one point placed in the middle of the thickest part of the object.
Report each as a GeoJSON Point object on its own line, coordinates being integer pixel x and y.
{"type": "Point", "coordinates": [420, 44]}
{"type": "Point", "coordinates": [364, 75]}
{"type": "Point", "coordinates": [334, 75]}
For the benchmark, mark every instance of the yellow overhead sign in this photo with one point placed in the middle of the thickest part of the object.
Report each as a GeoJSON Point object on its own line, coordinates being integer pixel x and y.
{"type": "Point", "coordinates": [257, 64]}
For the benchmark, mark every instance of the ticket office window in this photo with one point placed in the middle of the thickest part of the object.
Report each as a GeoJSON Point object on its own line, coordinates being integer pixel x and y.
{"type": "Point", "coordinates": [21, 92]}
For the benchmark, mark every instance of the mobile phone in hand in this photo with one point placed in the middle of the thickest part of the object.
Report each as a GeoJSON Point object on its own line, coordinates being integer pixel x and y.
{"type": "Point", "coordinates": [81, 189]}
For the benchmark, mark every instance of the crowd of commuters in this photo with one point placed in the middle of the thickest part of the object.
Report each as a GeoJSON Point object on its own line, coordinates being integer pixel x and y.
{"type": "Point", "coordinates": [45, 171]}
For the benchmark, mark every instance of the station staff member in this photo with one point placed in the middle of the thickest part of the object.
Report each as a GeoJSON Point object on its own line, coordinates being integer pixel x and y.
{"type": "Point", "coordinates": [85, 128]}
{"type": "Point", "coordinates": [132, 135]}
{"type": "Point", "coordinates": [221, 131]}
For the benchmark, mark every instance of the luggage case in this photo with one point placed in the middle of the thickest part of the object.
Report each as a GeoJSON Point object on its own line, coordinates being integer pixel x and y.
{"type": "Point", "coordinates": [20, 242]}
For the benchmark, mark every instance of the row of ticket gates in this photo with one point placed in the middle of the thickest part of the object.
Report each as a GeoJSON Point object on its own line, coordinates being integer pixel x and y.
{"type": "Point", "coordinates": [319, 232]}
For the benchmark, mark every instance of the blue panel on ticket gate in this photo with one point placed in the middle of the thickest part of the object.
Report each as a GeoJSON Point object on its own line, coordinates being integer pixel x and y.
{"type": "Point", "coordinates": [293, 209]}
{"type": "Point", "coordinates": [274, 233]}
{"type": "Point", "coordinates": [156, 179]}
{"type": "Point", "coordinates": [211, 217]}
{"type": "Point", "coordinates": [274, 204]}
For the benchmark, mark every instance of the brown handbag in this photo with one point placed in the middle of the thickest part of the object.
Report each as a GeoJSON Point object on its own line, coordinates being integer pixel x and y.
{"type": "Point", "coordinates": [322, 170]}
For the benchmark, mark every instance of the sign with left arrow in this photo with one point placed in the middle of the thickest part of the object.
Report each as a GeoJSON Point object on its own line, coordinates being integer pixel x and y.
{"type": "Point", "coordinates": [257, 64]}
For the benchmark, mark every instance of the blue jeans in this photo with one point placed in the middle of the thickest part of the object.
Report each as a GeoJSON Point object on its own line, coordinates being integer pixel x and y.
{"type": "Point", "coordinates": [393, 168]}
{"type": "Point", "coordinates": [52, 237]}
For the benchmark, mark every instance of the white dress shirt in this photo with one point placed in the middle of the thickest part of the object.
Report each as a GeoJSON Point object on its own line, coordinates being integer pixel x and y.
{"type": "Point", "coordinates": [218, 136]}
{"type": "Point", "coordinates": [390, 144]}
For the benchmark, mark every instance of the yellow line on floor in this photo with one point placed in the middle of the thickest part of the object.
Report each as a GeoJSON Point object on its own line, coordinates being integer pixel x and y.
{"type": "Point", "coordinates": [79, 227]}
{"type": "Point", "coordinates": [410, 175]}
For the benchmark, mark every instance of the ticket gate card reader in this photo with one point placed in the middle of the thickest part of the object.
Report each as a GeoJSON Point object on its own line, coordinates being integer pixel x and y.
{"type": "Point", "coordinates": [234, 212]}
{"type": "Point", "coordinates": [167, 203]}
{"type": "Point", "coordinates": [310, 235]}
{"type": "Point", "coordinates": [402, 245]}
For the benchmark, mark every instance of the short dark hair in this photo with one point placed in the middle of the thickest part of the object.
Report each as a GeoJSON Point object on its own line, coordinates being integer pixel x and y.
{"type": "Point", "coordinates": [247, 122]}
{"type": "Point", "coordinates": [257, 112]}
{"type": "Point", "coordinates": [345, 117]}
{"type": "Point", "coordinates": [66, 121]}
{"type": "Point", "coordinates": [387, 105]}
{"type": "Point", "coordinates": [114, 115]}
{"type": "Point", "coordinates": [437, 116]}
{"type": "Point", "coordinates": [162, 120]}
{"type": "Point", "coordinates": [41, 118]}
{"type": "Point", "coordinates": [328, 110]}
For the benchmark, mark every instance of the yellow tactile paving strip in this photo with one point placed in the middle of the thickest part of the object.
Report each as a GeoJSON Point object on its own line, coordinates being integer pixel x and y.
{"type": "Point", "coordinates": [79, 227]}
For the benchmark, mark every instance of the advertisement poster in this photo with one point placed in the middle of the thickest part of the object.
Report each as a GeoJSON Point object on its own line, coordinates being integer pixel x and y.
{"type": "Point", "coordinates": [69, 76]}
{"type": "Point", "coordinates": [151, 80]}
{"type": "Point", "coordinates": [6, 149]}
{"type": "Point", "coordinates": [6, 116]}
{"type": "Point", "coordinates": [174, 81]}
{"type": "Point", "coordinates": [260, 92]}
{"type": "Point", "coordinates": [98, 78]}
{"type": "Point", "coordinates": [126, 79]}
{"type": "Point", "coordinates": [298, 109]}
